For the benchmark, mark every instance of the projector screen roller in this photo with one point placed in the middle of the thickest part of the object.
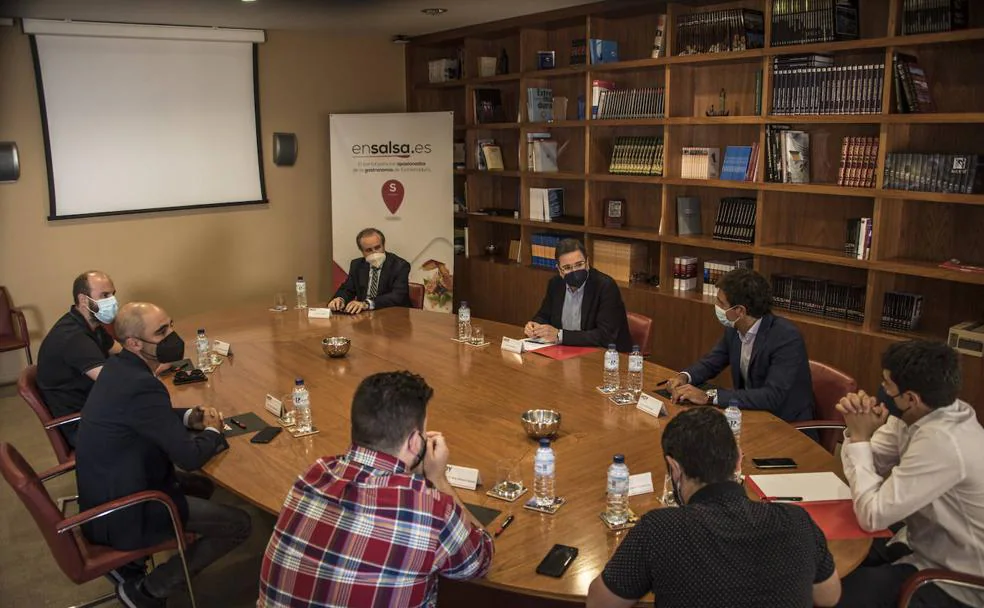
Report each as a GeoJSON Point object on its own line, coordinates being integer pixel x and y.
{"type": "Point", "coordinates": [137, 124]}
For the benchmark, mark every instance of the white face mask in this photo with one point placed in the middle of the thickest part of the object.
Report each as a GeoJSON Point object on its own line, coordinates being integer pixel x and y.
{"type": "Point", "coordinates": [376, 259]}
{"type": "Point", "coordinates": [722, 316]}
{"type": "Point", "coordinates": [106, 309]}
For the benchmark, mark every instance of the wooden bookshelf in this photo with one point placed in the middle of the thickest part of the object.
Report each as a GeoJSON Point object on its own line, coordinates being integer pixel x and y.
{"type": "Point", "coordinates": [800, 228]}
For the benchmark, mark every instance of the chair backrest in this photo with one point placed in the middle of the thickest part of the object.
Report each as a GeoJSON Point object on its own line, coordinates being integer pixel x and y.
{"type": "Point", "coordinates": [641, 329]}
{"type": "Point", "coordinates": [829, 385]}
{"type": "Point", "coordinates": [6, 318]}
{"type": "Point", "coordinates": [27, 387]}
{"type": "Point", "coordinates": [417, 295]}
{"type": "Point", "coordinates": [29, 488]}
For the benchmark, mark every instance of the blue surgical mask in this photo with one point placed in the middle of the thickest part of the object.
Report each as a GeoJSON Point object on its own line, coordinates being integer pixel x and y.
{"type": "Point", "coordinates": [722, 316]}
{"type": "Point", "coordinates": [106, 309]}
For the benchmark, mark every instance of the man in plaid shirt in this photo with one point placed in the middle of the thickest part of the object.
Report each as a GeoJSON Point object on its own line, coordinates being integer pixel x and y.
{"type": "Point", "coordinates": [375, 526]}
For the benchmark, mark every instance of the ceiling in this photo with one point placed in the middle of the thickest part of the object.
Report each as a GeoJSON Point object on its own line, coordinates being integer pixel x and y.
{"type": "Point", "coordinates": [349, 16]}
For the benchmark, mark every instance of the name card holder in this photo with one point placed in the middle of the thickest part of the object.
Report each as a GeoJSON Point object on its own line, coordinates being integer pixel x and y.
{"type": "Point", "coordinates": [651, 405]}
{"type": "Point", "coordinates": [222, 348]}
{"type": "Point", "coordinates": [512, 345]}
{"type": "Point", "coordinates": [641, 483]}
{"type": "Point", "coordinates": [319, 313]}
{"type": "Point", "coordinates": [274, 406]}
{"type": "Point", "coordinates": [463, 477]}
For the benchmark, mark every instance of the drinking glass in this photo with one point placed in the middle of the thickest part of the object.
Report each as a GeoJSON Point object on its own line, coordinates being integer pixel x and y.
{"type": "Point", "coordinates": [279, 302]}
{"type": "Point", "coordinates": [509, 481]}
{"type": "Point", "coordinates": [668, 499]}
{"type": "Point", "coordinates": [477, 335]}
{"type": "Point", "coordinates": [287, 402]}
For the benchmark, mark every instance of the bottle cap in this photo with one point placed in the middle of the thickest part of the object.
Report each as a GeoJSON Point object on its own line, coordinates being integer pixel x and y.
{"type": "Point", "coordinates": [544, 442]}
{"type": "Point", "coordinates": [734, 403]}
{"type": "Point", "coordinates": [300, 278]}
{"type": "Point", "coordinates": [635, 347]}
{"type": "Point", "coordinates": [464, 303]}
{"type": "Point", "coordinates": [298, 381]}
{"type": "Point", "coordinates": [611, 347]}
{"type": "Point", "coordinates": [619, 459]}
{"type": "Point", "coordinates": [201, 331]}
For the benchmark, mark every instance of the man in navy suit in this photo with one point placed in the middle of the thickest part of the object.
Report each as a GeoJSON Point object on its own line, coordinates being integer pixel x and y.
{"type": "Point", "coordinates": [769, 366]}
{"type": "Point", "coordinates": [376, 280]}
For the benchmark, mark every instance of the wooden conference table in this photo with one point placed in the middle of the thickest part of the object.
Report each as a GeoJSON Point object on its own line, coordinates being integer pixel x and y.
{"type": "Point", "coordinates": [479, 394]}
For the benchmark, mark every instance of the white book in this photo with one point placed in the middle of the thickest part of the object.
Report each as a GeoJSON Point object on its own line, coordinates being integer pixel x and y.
{"type": "Point", "coordinates": [809, 487]}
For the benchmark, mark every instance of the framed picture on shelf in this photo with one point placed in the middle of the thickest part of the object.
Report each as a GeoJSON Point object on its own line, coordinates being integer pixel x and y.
{"type": "Point", "coordinates": [614, 212]}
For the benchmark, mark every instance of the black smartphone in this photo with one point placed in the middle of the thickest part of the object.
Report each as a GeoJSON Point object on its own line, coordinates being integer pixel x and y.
{"type": "Point", "coordinates": [774, 463]}
{"type": "Point", "coordinates": [266, 435]}
{"type": "Point", "coordinates": [557, 561]}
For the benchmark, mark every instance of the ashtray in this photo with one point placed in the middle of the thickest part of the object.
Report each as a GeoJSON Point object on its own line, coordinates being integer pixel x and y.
{"type": "Point", "coordinates": [626, 398]}
{"type": "Point", "coordinates": [296, 433]}
{"type": "Point", "coordinates": [549, 509]}
{"type": "Point", "coordinates": [604, 390]}
{"type": "Point", "coordinates": [507, 491]}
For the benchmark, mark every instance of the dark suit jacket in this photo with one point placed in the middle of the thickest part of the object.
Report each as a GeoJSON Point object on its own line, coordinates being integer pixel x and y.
{"type": "Point", "coordinates": [394, 282]}
{"type": "Point", "coordinates": [603, 319]}
{"type": "Point", "coordinates": [130, 439]}
{"type": "Point", "coordinates": [778, 373]}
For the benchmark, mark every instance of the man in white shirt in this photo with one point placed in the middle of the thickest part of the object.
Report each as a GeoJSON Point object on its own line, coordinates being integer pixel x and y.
{"type": "Point", "coordinates": [925, 469]}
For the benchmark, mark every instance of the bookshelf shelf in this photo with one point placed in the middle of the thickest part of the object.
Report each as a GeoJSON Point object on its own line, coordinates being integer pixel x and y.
{"type": "Point", "coordinates": [850, 119]}
{"type": "Point", "coordinates": [929, 270]}
{"type": "Point", "coordinates": [492, 126]}
{"type": "Point", "coordinates": [494, 173]}
{"type": "Point", "coordinates": [495, 219]}
{"type": "Point", "coordinates": [706, 242]}
{"type": "Point", "coordinates": [934, 118]}
{"type": "Point", "coordinates": [572, 70]}
{"type": "Point", "coordinates": [554, 175]}
{"type": "Point", "coordinates": [933, 197]}
{"type": "Point", "coordinates": [812, 254]}
{"type": "Point", "coordinates": [627, 179]}
{"type": "Point", "coordinates": [638, 234]}
{"type": "Point", "coordinates": [557, 124]}
{"type": "Point", "coordinates": [494, 79]}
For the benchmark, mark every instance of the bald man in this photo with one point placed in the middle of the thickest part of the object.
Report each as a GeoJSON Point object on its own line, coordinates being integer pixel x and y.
{"type": "Point", "coordinates": [130, 440]}
{"type": "Point", "coordinates": [74, 351]}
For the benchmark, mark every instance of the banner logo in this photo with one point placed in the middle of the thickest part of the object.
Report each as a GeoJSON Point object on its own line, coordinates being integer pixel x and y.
{"type": "Point", "coordinates": [393, 192]}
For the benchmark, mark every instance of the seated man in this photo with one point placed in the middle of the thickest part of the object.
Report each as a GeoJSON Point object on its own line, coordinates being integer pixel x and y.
{"type": "Point", "coordinates": [924, 468]}
{"type": "Point", "coordinates": [376, 280]}
{"type": "Point", "coordinates": [582, 307]}
{"type": "Point", "coordinates": [74, 351]}
{"type": "Point", "coordinates": [769, 367]}
{"type": "Point", "coordinates": [719, 548]}
{"type": "Point", "coordinates": [378, 524]}
{"type": "Point", "coordinates": [130, 440]}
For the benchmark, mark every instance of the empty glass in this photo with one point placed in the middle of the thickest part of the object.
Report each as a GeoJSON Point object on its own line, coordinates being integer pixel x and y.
{"type": "Point", "coordinates": [279, 303]}
{"type": "Point", "coordinates": [509, 481]}
{"type": "Point", "coordinates": [287, 409]}
{"type": "Point", "coordinates": [669, 500]}
{"type": "Point", "coordinates": [477, 335]}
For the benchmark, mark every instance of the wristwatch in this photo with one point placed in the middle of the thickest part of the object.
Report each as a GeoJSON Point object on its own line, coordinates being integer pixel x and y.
{"type": "Point", "coordinates": [712, 396]}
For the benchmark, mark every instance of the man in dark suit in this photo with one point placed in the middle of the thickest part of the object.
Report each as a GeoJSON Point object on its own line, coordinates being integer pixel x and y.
{"type": "Point", "coordinates": [376, 280]}
{"type": "Point", "coordinates": [130, 439]}
{"type": "Point", "coordinates": [583, 306]}
{"type": "Point", "coordinates": [769, 366]}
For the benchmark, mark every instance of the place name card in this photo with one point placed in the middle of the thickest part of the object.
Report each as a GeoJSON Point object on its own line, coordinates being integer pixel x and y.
{"type": "Point", "coordinates": [274, 406]}
{"type": "Point", "coordinates": [222, 348]}
{"type": "Point", "coordinates": [641, 483]}
{"type": "Point", "coordinates": [463, 477]}
{"type": "Point", "coordinates": [512, 345]}
{"type": "Point", "coordinates": [319, 313]}
{"type": "Point", "coordinates": [651, 405]}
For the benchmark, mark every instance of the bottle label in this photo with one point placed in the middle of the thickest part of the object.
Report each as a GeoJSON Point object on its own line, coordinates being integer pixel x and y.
{"type": "Point", "coordinates": [464, 316]}
{"type": "Point", "coordinates": [611, 360]}
{"type": "Point", "coordinates": [635, 363]}
{"type": "Point", "coordinates": [544, 466]}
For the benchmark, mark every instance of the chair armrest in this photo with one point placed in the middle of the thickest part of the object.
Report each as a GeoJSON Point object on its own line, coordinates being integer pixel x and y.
{"type": "Point", "coordinates": [126, 502]}
{"type": "Point", "coordinates": [923, 577]}
{"type": "Point", "coordinates": [818, 424]}
{"type": "Point", "coordinates": [56, 422]}
{"type": "Point", "coordinates": [21, 324]}
{"type": "Point", "coordinates": [57, 471]}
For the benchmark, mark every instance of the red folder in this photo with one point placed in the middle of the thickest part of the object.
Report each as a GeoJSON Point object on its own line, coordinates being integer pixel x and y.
{"type": "Point", "coordinates": [561, 352]}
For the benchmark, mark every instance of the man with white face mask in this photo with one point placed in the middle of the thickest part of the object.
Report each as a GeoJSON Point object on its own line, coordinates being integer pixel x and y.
{"type": "Point", "coordinates": [376, 280]}
{"type": "Point", "coordinates": [74, 351]}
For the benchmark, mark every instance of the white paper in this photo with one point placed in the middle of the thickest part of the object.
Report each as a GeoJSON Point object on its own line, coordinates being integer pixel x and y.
{"type": "Point", "coordinates": [511, 345]}
{"type": "Point", "coordinates": [811, 487]}
{"type": "Point", "coordinates": [532, 344]}
{"type": "Point", "coordinates": [651, 405]}
{"type": "Point", "coordinates": [463, 477]}
{"type": "Point", "coordinates": [274, 406]}
{"type": "Point", "coordinates": [222, 348]}
{"type": "Point", "coordinates": [319, 313]}
{"type": "Point", "coordinates": [641, 483]}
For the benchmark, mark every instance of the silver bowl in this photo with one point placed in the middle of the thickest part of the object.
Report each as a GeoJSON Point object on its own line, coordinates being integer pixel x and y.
{"type": "Point", "coordinates": [336, 347]}
{"type": "Point", "coordinates": [541, 423]}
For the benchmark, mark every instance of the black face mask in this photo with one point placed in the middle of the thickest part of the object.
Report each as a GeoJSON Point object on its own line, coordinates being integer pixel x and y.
{"type": "Point", "coordinates": [169, 350]}
{"type": "Point", "coordinates": [576, 278]}
{"type": "Point", "coordinates": [889, 401]}
{"type": "Point", "coordinates": [421, 454]}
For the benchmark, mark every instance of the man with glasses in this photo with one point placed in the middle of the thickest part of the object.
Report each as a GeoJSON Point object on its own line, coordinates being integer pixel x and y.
{"type": "Point", "coordinates": [924, 468]}
{"type": "Point", "coordinates": [378, 524]}
{"type": "Point", "coordinates": [582, 307]}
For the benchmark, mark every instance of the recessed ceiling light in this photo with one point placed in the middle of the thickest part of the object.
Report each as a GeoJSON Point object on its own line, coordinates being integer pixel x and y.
{"type": "Point", "coordinates": [433, 12]}
{"type": "Point", "coordinates": [249, 0]}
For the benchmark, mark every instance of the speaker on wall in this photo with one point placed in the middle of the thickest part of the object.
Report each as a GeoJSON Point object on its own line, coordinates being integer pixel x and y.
{"type": "Point", "coordinates": [284, 149]}
{"type": "Point", "coordinates": [9, 162]}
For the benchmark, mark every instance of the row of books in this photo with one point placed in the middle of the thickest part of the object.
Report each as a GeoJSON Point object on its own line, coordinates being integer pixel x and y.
{"type": "Point", "coordinates": [488, 106]}
{"type": "Point", "coordinates": [808, 21]}
{"type": "Point", "coordinates": [901, 311]}
{"type": "Point", "coordinates": [633, 155]}
{"type": "Point", "coordinates": [912, 93]}
{"type": "Point", "coordinates": [735, 220]}
{"type": "Point", "coordinates": [632, 103]}
{"type": "Point", "coordinates": [699, 162]}
{"type": "Point", "coordinates": [958, 173]}
{"type": "Point", "coordinates": [720, 31]}
{"type": "Point", "coordinates": [620, 259]}
{"type": "Point", "coordinates": [546, 204]}
{"type": "Point", "coordinates": [927, 16]}
{"type": "Point", "coordinates": [818, 297]}
{"type": "Point", "coordinates": [684, 273]}
{"type": "Point", "coordinates": [542, 152]}
{"type": "Point", "coordinates": [842, 89]}
{"type": "Point", "coordinates": [858, 162]}
{"type": "Point", "coordinates": [543, 248]}
{"type": "Point", "coordinates": [787, 155]}
{"type": "Point", "coordinates": [539, 104]}
{"type": "Point", "coordinates": [857, 244]}
{"type": "Point", "coordinates": [444, 70]}
{"type": "Point", "coordinates": [714, 270]}
{"type": "Point", "coordinates": [593, 51]}
{"type": "Point", "coordinates": [740, 163]}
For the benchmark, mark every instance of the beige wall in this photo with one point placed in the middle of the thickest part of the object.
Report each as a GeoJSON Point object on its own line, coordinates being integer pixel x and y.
{"type": "Point", "coordinates": [252, 251]}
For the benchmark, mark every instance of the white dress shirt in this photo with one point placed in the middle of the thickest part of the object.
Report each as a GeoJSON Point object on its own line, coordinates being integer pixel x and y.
{"type": "Point", "coordinates": [931, 476]}
{"type": "Point", "coordinates": [745, 358]}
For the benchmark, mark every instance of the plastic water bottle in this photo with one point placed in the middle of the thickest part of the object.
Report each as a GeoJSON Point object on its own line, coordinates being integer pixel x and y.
{"type": "Point", "coordinates": [302, 406]}
{"type": "Point", "coordinates": [733, 414]}
{"type": "Point", "coordinates": [464, 321]}
{"type": "Point", "coordinates": [301, 288]}
{"type": "Point", "coordinates": [618, 491]}
{"type": "Point", "coordinates": [635, 371]}
{"type": "Point", "coordinates": [611, 379]}
{"type": "Point", "coordinates": [204, 352]}
{"type": "Point", "coordinates": [544, 465]}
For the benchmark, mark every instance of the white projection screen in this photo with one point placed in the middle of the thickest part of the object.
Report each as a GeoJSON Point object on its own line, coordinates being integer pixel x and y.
{"type": "Point", "coordinates": [136, 122]}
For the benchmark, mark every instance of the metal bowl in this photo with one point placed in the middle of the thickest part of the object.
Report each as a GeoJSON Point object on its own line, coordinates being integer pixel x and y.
{"type": "Point", "coordinates": [336, 347]}
{"type": "Point", "coordinates": [541, 423]}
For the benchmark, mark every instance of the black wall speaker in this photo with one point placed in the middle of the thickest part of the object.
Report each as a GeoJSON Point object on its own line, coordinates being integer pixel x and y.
{"type": "Point", "coordinates": [284, 149]}
{"type": "Point", "coordinates": [9, 162]}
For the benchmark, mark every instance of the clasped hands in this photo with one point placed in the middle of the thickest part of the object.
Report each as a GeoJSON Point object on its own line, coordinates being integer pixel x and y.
{"type": "Point", "coordinates": [353, 308]}
{"type": "Point", "coordinates": [682, 391]}
{"type": "Point", "coordinates": [542, 331]}
{"type": "Point", "coordinates": [863, 415]}
{"type": "Point", "coordinates": [202, 418]}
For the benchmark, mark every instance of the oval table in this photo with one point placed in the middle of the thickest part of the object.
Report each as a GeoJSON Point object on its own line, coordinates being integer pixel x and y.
{"type": "Point", "coordinates": [479, 394]}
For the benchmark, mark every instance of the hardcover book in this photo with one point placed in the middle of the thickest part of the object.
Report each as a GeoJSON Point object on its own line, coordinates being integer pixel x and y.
{"type": "Point", "coordinates": [688, 216]}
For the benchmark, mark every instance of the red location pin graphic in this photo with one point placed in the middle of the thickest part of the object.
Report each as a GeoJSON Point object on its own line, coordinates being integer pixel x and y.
{"type": "Point", "coordinates": [393, 195]}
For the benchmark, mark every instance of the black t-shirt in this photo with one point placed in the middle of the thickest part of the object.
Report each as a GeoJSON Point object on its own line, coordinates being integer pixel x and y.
{"type": "Point", "coordinates": [70, 350]}
{"type": "Point", "coordinates": [722, 549]}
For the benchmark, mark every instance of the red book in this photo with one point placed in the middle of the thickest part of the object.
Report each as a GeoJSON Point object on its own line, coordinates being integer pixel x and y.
{"type": "Point", "coordinates": [561, 352]}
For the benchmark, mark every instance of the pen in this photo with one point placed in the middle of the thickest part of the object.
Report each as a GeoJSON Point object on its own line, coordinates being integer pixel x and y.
{"type": "Point", "coordinates": [505, 524]}
{"type": "Point", "coordinates": [663, 383]}
{"type": "Point", "coordinates": [237, 423]}
{"type": "Point", "coordinates": [784, 498]}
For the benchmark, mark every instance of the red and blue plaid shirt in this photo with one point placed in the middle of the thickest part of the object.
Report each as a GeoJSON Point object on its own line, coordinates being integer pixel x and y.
{"type": "Point", "coordinates": [357, 530]}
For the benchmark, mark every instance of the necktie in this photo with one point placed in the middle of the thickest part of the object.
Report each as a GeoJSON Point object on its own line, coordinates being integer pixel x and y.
{"type": "Point", "coordinates": [373, 283]}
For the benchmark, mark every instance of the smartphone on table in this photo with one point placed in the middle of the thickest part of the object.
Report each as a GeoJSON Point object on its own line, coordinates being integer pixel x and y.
{"type": "Point", "coordinates": [557, 561]}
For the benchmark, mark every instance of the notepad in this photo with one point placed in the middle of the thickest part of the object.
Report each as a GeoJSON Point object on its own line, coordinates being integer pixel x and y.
{"type": "Point", "coordinates": [561, 352]}
{"type": "Point", "coordinates": [811, 487]}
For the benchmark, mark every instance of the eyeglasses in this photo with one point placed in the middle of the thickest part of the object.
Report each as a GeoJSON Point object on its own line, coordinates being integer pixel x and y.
{"type": "Point", "coordinates": [575, 266]}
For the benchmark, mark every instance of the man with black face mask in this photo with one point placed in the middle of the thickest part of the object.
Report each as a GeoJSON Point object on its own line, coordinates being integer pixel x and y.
{"type": "Point", "coordinates": [719, 548]}
{"type": "Point", "coordinates": [130, 439]}
{"type": "Point", "coordinates": [582, 307]}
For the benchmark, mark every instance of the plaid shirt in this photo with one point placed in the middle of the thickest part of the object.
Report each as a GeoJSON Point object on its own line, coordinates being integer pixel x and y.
{"type": "Point", "coordinates": [357, 530]}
